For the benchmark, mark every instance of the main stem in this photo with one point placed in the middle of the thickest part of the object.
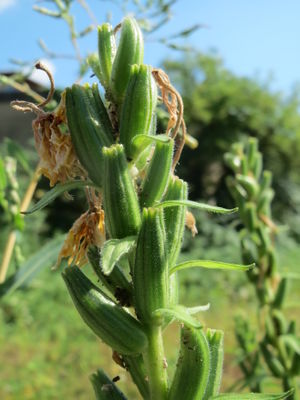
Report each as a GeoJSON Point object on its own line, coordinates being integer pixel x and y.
{"type": "Point", "coordinates": [156, 364]}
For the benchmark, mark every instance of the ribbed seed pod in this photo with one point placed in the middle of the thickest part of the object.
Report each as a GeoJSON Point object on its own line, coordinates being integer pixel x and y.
{"type": "Point", "coordinates": [130, 51]}
{"type": "Point", "coordinates": [104, 388]}
{"type": "Point", "coordinates": [106, 51]}
{"type": "Point", "coordinates": [90, 128]}
{"type": "Point", "coordinates": [272, 362]}
{"type": "Point", "coordinates": [158, 174]}
{"type": "Point", "coordinates": [138, 106]}
{"type": "Point", "coordinates": [174, 218]}
{"type": "Point", "coordinates": [122, 212]}
{"type": "Point", "coordinates": [280, 293]}
{"type": "Point", "coordinates": [216, 346]}
{"type": "Point", "coordinates": [150, 274]}
{"type": "Point", "coordinates": [116, 282]}
{"type": "Point", "coordinates": [110, 322]}
{"type": "Point", "coordinates": [193, 366]}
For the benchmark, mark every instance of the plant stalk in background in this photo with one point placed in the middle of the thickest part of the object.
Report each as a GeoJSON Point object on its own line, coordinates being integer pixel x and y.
{"type": "Point", "coordinates": [278, 341]}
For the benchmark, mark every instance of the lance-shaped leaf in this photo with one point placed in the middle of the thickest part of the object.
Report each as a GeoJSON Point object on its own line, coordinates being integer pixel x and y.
{"type": "Point", "coordinates": [104, 388]}
{"type": "Point", "coordinates": [178, 312]}
{"type": "Point", "coordinates": [141, 142]}
{"type": "Point", "coordinates": [210, 265]}
{"type": "Point", "coordinates": [253, 396]}
{"type": "Point", "coordinates": [57, 191]}
{"type": "Point", "coordinates": [44, 258]}
{"type": "Point", "coordinates": [194, 204]}
{"type": "Point", "coordinates": [113, 250]}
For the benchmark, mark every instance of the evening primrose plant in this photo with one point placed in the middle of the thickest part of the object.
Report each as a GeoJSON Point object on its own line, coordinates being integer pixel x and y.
{"type": "Point", "coordinates": [132, 232]}
{"type": "Point", "coordinates": [279, 342]}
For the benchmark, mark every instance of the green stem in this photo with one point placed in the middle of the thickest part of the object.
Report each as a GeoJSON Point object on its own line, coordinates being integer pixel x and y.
{"type": "Point", "coordinates": [156, 364]}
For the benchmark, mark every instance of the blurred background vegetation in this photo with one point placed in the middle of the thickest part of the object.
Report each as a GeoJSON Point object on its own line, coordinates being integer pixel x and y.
{"type": "Point", "coordinates": [46, 351]}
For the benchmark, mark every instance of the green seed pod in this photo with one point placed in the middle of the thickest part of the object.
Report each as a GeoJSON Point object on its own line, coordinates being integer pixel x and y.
{"type": "Point", "coordinates": [295, 368]}
{"type": "Point", "coordinates": [138, 106]}
{"type": "Point", "coordinates": [174, 218]}
{"type": "Point", "coordinates": [272, 362]}
{"type": "Point", "coordinates": [280, 322]}
{"type": "Point", "coordinates": [250, 216]}
{"type": "Point", "coordinates": [193, 366]}
{"type": "Point", "coordinates": [252, 152]}
{"type": "Point", "coordinates": [158, 174]}
{"type": "Point", "coordinates": [216, 346]}
{"type": "Point", "coordinates": [122, 212]}
{"type": "Point", "coordinates": [130, 51]}
{"type": "Point", "coordinates": [104, 388]}
{"type": "Point", "coordinates": [264, 202]}
{"type": "Point", "coordinates": [150, 274]}
{"type": "Point", "coordinates": [116, 282]}
{"type": "Point", "coordinates": [106, 51]}
{"type": "Point", "coordinates": [110, 322]}
{"type": "Point", "coordinates": [249, 184]}
{"type": "Point", "coordinates": [280, 293]}
{"type": "Point", "coordinates": [89, 126]}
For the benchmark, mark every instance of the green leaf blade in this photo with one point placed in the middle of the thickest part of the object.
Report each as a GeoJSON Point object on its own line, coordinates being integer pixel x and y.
{"type": "Point", "coordinates": [113, 250]}
{"type": "Point", "coordinates": [55, 192]}
{"type": "Point", "coordinates": [210, 265]}
{"type": "Point", "coordinates": [194, 204]}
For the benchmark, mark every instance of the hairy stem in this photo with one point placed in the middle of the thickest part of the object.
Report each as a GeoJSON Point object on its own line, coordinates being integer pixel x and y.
{"type": "Point", "coordinates": [156, 364]}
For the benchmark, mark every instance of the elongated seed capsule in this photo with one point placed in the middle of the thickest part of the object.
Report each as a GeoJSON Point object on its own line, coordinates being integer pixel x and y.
{"type": "Point", "coordinates": [249, 184]}
{"type": "Point", "coordinates": [272, 362]}
{"type": "Point", "coordinates": [193, 366]}
{"type": "Point", "coordinates": [216, 346]}
{"type": "Point", "coordinates": [106, 51]}
{"type": "Point", "coordinates": [252, 152]}
{"type": "Point", "coordinates": [104, 388]}
{"type": "Point", "coordinates": [280, 322]}
{"type": "Point", "coordinates": [174, 218]}
{"type": "Point", "coordinates": [116, 282]}
{"type": "Point", "coordinates": [138, 106]}
{"type": "Point", "coordinates": [90, 128]}
{"type": "Point", "coordinates": [110, 322]}
{"type": "Point", "coordinates": [122, 212]}
{"type": "Point", "coordinates": [158, 174]}
{"type": "Point", "coordinates": [130, 51]}
{"type": "Point", "coordinates": [150, 274]}
{"type": "Point", "coordinates": [280, 293]}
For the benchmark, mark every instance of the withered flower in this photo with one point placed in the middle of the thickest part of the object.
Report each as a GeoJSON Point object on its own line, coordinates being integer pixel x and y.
{"type": "Point", "coordinates": [88, 229]}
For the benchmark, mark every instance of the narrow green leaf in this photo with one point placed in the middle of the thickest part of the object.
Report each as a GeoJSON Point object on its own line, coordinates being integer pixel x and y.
{"type": "Point", "coordinates": [253, 396]}
{"type": "Point", "coordinates": [194, 204]}
{"type": "Point", "coordinates": [44, 258]}
{"type": "Point", "coordinates": [140, 142]}
{"type": "Point", "coordinates": [211, 265]}
{"type": "Point", "coordinates": [113, 250]}
{"type": "Point", "coordinates": [197, 309]}
{"type": "Point", "coordinates": [55, 192]}
{"type": "Point", "coordinates": [178, 312]}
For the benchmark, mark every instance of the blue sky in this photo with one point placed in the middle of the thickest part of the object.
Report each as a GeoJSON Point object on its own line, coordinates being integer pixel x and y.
{"type": "Point", "coordinates": [254, 37]}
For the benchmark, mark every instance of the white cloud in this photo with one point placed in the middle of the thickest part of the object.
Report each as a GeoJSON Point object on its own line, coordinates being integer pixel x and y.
{"type": "Point", "coordinates": [5, 4]}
